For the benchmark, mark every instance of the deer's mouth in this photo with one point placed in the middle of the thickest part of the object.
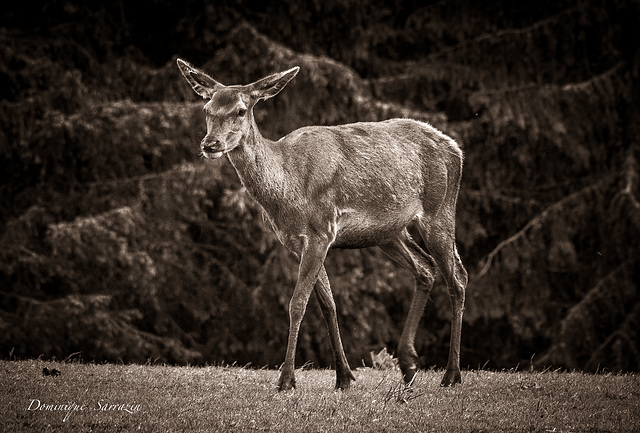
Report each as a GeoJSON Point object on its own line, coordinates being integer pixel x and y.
{"type": "Point", "coordinates": [212, 152]}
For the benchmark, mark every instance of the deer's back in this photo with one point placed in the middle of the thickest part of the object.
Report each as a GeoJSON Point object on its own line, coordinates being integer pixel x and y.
{"type": "Point", "coordinates": [370, 174]}
{"type": "Point", "coordinates": [399, 153]}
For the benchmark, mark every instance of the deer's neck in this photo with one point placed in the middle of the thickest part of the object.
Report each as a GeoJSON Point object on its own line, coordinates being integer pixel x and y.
{"type": "Point", "coordinates": [259, 167]}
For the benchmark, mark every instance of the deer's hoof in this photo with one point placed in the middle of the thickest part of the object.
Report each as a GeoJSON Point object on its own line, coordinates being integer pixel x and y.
{"type": "Point", "coordinates": [286, 383]}
{"type": "Point", "coordinates": [451, 377]}
{"type": "Point", "coordinates": [409, 375]}
{"type": "Point", "coordinates": [343, 381]}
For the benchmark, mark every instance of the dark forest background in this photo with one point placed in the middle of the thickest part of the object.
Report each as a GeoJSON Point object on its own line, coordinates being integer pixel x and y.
{"type": "Point", "coordinates": [118, 241]}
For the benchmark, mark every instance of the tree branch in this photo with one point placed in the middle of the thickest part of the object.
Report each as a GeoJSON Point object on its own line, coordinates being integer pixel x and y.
{"type": "Point", "coordinates": [539, 219]}
{"type": "Point", "coordinates": [506, 33]}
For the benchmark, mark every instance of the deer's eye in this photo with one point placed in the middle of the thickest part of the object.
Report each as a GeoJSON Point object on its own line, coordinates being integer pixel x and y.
{"type": "Point", "coordinates": [242, 112]}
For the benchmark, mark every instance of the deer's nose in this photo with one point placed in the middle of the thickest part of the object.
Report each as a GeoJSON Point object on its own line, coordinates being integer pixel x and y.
{"type": "Point", "coordinates": [209, 145]}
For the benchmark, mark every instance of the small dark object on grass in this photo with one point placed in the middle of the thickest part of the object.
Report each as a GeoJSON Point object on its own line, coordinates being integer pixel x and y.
{"type": "Point", "coordinates": [52, 372]}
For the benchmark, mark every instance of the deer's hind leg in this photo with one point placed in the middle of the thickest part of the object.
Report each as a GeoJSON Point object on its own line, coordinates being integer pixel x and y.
{"type": "Point", "coordinates": [408, 254]}
{"type": "Point", "coordinates": [440, 241]}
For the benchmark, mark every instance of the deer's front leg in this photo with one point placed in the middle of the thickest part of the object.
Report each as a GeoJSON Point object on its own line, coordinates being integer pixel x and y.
{"type": "Point", "coordinates": [311, 261]}
{"type": "Point", "coordinates": [344, 376]}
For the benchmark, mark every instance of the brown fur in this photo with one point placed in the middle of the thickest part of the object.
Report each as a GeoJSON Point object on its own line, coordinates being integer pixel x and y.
{"type": "Point", "coordinates": [348, 186]}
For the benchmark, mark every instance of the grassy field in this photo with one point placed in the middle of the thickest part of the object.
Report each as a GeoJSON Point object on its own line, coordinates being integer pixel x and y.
{"type": "Point", "coordinates": [123, 398]}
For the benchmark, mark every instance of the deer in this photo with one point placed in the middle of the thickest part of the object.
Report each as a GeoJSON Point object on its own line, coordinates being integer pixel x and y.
{"type": "Point", "coordinates": [356, 185]}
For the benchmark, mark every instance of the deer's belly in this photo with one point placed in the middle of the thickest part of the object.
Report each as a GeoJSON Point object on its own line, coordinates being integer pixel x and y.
{"type": "Point", "coordinates": [361, 230]}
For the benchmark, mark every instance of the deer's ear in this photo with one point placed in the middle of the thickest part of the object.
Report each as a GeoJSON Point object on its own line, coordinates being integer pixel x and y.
{"type": "Point", "coordinates": [270, 86]}
{"type": "Point", "coordinates": [199, 80]}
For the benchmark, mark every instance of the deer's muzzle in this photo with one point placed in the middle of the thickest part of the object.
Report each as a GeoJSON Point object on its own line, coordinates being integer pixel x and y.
{"type": "Point", "coordinates": [212, 150]}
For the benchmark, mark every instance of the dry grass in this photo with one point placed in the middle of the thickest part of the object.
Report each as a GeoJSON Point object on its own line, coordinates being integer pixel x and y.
{"type": "Point", "coordinates": [160, 398]}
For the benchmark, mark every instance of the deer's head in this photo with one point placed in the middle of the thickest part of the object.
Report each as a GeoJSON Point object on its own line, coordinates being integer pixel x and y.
{"type": "Point", "coordinates": [229, 111]}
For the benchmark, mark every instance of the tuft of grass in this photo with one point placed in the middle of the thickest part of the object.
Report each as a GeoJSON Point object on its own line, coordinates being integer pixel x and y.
{"type": "Point", "coordinates": [401, 392]}
{"type": "Point", "coordinates": [205, 399]}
